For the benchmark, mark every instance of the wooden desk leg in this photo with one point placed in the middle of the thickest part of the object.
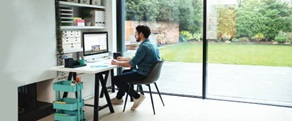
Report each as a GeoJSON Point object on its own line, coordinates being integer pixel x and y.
{"type": "Point", "coordinates": [105, 80]}
{"type": "Point", "coordinates": [96, 98]}
{"type": "Point", "coordinates": [112, 84]}
{"type": "Point", "coordinates": [102, 81]}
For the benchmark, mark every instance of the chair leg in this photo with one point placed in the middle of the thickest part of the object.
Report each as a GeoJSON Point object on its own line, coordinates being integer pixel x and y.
{"type": "Point", "coordinates": [131, 98]}
{"type": "Point", "coordinates": [159, 93]}
{"type": "Point", "coordinates": [141, 89]}
{"type": "Point", "coordinates": [130, 86]}
{"type": "Point", "coordinates": [151, 98]}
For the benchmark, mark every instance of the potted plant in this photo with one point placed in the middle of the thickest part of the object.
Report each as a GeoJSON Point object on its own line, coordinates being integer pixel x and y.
{"type": "Point", "coordinates": [88, 17]}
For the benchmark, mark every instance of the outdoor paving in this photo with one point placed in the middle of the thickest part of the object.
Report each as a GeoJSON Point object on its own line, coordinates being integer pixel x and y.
{"type": "Point", "coordinates": [262, 84]}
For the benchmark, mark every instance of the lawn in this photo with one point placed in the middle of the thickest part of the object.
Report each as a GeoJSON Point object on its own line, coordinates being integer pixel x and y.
{"type": "Point", "coordinates": [243, 54]}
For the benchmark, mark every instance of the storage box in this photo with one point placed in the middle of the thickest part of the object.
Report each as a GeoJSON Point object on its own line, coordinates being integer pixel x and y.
{"type": "Point", "coordinates": [84, 1]}
{"type": "Point", "coordinates": [69, 40]}
{"type": "Point", "coordinates": [69, 33]}
{"type": "Point", "coordinates": [72, 46]}
{"type": "Point", "coordinates": [96, 2]}
{"type": "Point", "coordinates": [97, 19]}
{"type": "Point", "coordinates": [80, 22]}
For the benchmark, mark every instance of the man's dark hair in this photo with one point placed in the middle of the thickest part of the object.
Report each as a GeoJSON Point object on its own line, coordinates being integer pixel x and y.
{"type": "Point", "coordinates": [144, 29]}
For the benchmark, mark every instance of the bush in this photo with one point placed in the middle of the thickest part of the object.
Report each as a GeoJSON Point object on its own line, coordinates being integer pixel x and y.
{"type": "Point", "coordinates": [289, 36]}
{"type": "Point", "coordinates": [281, 37]}
{"type": "Point", "coordinates": [259, 36]}
{"type": "Point", "coordinates": [197, 36]}
{"type": "Point", "coordinates": [186, 35]}
{"type": "Point", "coordinates": [244, 39]}
{"type": "Point", "coordinates": [226, 37]}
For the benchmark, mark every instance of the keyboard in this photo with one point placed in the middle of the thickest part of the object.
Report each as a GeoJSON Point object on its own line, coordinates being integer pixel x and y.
{"type": "Point", "coordinates": [104, 61]}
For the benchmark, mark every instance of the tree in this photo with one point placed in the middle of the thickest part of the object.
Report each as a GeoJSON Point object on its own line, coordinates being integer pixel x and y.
{"type": "Point", "coordinates": [142, 10]}
{"type": "Point", "coordinates": [187, 12]}
{"type": "Point", "coordinates": [226, 21]}
{"type": "Point", "coordinates": [168, 10]}
{"type": "Point", "coordinates": [263, 16]}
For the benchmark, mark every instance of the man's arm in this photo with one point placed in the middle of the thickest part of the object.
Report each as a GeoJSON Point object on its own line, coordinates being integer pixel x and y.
{"type": "Point", "coordinates": [123, 59]}
{"type": "Point", "coordinates": [121, 63]}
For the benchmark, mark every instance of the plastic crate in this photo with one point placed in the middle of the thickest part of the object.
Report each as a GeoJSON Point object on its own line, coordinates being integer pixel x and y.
{"type": "Point", "coordinates": [70, 104]}
{"type": "Point", "coordinates": [67, 86]}
{"type": "Point", "coordinates": [82, 114]}
{"type": "Point", "coordinates": [69, 116]}
{"type": "Point", "coordinates": [65, 117]}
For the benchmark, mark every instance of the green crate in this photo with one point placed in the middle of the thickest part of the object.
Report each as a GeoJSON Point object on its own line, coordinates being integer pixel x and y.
{"type": "Point", "coordinates": [70, 104]}
{"type": "Point", "coordinates": [69, 116]}
{"type": "Point", "coordinates": [67, 86]}
{"type": "Point", "coordinates": [82, 114]}
{"type": "Point", "coordinates": [65, 117]}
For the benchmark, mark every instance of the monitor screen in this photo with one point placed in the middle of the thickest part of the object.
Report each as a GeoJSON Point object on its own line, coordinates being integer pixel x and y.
{"type": "Point", "coordinates": [95, 43]}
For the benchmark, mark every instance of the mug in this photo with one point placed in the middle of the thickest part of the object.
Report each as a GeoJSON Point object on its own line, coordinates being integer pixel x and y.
{"type": "Point", "coordinates": [116, 55]}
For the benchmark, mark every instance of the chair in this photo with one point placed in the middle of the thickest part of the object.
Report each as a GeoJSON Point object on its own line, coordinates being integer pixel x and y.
{"type": "Point", "coordinates": [150, 79]}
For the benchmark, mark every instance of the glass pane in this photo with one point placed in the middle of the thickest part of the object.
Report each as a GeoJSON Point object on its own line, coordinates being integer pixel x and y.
{"type": "Point", "coordinates": [176, 27]}
{"type": "Point", "coordinates": [249, 51]}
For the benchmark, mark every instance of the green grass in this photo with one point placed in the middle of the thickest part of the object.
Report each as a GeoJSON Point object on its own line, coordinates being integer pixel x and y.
{"type": "Point", "coordinates": [244, 54]}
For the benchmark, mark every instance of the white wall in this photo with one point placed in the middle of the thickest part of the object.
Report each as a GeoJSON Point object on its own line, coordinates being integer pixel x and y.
{"type": "Point", "coordinates": [28, 48]}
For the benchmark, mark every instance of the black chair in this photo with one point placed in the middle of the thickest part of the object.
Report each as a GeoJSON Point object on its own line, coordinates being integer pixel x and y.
{"type": "Point", "coordinates": [150, 79]}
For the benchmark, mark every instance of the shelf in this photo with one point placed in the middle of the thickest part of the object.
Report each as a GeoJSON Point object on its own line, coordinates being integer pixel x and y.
{"type": "Point", "coordinates": [70, 104]}
{"type": "Point", "coordinates": [80, 5]}
{"type": "Point", "coordinates": [67, 86]}
{"type": "Point", "coordinates": [81, 27]}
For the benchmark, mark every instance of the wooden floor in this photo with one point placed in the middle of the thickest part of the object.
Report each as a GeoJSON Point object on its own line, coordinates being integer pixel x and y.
{"type": "Point", "coordinates": [190, 109]}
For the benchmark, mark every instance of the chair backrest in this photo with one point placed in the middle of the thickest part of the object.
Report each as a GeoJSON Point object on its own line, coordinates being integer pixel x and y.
{"type": "Point", "coordinates": [154, 73]}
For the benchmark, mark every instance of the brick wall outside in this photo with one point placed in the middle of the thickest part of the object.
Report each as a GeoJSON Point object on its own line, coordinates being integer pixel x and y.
{"type": "Point", "coordinates": [161, 32]}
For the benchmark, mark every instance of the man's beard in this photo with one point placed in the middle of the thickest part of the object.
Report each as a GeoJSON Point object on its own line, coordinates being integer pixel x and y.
{"type": "Point", "coordinates": [138, 39]}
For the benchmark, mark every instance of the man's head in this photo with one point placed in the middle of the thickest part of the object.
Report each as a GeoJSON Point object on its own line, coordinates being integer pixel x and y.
{"type": "Point", "coordinates": [142, 32]}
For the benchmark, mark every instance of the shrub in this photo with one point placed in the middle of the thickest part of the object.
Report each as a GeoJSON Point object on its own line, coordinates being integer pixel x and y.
{"type": "Point", "coordinates": [226, 37]}
{"type": "Point", "coordinates": [281, 37]}
{"type": "Point", "coordinates": [186, 35]}
{"type": "Point", "coordinates": [244, 39]}
{"type": "Point", "coordinates": [289, 36]}
{"type": "Point", "coordinates": [197, 36]}
{"type": "Point", "coordinates": [259, 36]}
{"type": "Point", "coordinates": [235, 40]}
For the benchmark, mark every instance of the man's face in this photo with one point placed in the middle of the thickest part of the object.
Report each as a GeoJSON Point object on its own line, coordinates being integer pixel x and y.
{"type": "Point", "coordinates": [137, 36]}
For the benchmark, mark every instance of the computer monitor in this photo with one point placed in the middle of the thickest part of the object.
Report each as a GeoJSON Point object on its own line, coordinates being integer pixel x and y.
{"type": "Point", "coordinates": [95, 44]}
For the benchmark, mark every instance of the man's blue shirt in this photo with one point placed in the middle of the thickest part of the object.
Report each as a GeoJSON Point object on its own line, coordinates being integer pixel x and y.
{"type": "Point", "coordinates": [147, 54]}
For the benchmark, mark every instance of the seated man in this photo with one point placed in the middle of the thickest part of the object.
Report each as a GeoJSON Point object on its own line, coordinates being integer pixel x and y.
{"type": "Point", "coordinates": [146, 56]}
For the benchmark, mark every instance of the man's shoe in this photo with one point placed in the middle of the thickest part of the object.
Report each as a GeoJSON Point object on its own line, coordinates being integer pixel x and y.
{"type": "Point", "coordinates": [137, 102]}
{"type": "Point", "coordinates": [116, 101]}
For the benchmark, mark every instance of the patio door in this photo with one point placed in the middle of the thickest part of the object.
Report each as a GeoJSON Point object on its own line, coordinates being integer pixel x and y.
{"type": "Point", "coordinates": [249, 51]}
{"type": "Point", "coordinates": [176, 27]}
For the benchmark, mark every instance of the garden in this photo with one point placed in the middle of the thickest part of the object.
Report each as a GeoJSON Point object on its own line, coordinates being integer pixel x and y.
{"type": "Point", "coordinates": [251, 32]}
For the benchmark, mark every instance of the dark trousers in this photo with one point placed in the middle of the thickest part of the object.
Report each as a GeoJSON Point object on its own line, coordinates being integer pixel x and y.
{"type": "Point", "coordinates": [121, 81]}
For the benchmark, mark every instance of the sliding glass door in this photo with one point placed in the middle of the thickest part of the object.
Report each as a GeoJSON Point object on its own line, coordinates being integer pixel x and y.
{"type": "Point", "coordinates": [176, 27]}
{"type": "Point", "coordinates": [249, 51]}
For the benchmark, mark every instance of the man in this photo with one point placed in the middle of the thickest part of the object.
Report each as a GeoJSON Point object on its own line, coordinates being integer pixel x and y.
{"type": "Point", "coordinates": [147, 54]}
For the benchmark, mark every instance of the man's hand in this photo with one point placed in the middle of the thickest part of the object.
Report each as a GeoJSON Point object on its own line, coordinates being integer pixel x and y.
{"type": "Point", "coordinates": [120, 58]}
{"type": "Point", "coordinates": [114, 62]}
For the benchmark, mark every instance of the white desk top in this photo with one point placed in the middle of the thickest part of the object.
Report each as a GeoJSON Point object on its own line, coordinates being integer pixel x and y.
{"type": "Point", "coordinates": [90, 68]}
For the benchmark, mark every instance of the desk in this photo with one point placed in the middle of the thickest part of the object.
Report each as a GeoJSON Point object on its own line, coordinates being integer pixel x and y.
{"type": "Point", "coordinates": [99, 69]}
